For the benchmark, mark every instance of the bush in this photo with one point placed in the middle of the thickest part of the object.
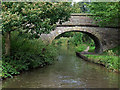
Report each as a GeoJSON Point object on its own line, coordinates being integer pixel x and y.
{"type": "Point", "coordinates": [26, 54]}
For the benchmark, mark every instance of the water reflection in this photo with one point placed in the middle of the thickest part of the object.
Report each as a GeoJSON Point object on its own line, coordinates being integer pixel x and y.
{"type": "Point", "coordinates": [68, 72]}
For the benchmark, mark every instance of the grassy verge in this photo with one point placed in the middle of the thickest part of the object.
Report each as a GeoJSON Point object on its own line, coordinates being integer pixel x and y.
{"type": "Point", "coordinates": [26, 54]}
{"type": "Point", "coordinates": [110, 59]}
{"type": "Point", "coordinates": [82, 47]}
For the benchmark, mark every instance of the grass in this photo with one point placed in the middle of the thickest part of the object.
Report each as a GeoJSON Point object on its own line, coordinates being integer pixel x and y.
{"type": "Point", "coordinates": [82, 47]}
{"type": "Point", "coordinates": [110, 59]}
{"type": "Point", "coordinates": [92, 48]}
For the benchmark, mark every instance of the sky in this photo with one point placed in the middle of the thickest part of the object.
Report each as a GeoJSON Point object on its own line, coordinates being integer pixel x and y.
{"type": "Point", "coordinates": [76, 1]}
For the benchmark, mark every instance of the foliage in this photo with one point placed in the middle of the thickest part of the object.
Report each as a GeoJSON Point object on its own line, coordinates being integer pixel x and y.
{"type": "Point", "coordinates": [61, 41]}
{"type": "Point", "coordinates": [111, 62]}
{"type": "Point", "coordinates": [81, 48]}
{"type": "Point", "coordinates": [0, 55]}
{"type": "Point", "coordinates": [78, 40]}
{"type": "Point", "coordinates": [92, 48]}
{"type": "Point", "coordinates": [66, 34]}
{"type": "Point", "coordinates": [26, 54]}
{"type": "Point", "coordinates": [109, 58]}
{"type": "Point", "coordinates": [79, 7]}
{"type": "Point", "coordinates": [106, 13]}
{"type": "Point", "coordinates": [114, 51]}
{"type": "Point", "coordinates": [0, 44]}
{"type": "Point", "coordinates": [81, 38]}
{"type": "Point", "coordinates": [0, 23]}
{"type": "Point", "coordinates": [33, 17]}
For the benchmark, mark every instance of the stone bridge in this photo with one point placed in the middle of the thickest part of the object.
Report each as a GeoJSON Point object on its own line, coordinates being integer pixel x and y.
{"type": "Point", "coordinates": [104, 37]}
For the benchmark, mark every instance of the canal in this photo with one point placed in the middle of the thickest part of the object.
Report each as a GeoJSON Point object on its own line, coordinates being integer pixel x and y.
{"type": "Point", "coordinates": [68, 71]}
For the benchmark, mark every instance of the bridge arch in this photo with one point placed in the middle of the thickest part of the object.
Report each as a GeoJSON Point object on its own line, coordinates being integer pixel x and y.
{"type": "Point", "coordinates": [92, 35]}
{"type": "Point", "coordinates": [104, 37]}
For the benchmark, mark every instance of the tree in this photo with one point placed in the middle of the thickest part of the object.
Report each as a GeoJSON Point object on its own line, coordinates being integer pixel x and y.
{"type": "Point", "coordinates": [106, 13]}
{"type": "Point", "coordinates": [79, 7]}
{"type": "Point", "coordinates": [76, 8]}
{"type": "Point", "coordinates": [32, 17]}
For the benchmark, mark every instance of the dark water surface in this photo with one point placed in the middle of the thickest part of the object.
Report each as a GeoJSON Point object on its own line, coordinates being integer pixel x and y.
{"type": "Point", "coordinates": [68, 72]}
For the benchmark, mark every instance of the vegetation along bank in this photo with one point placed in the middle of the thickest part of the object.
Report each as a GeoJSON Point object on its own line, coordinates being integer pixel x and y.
{"type": "Point", "coordinates": [24, 22]}
{"type": "Point", "coordinates": [22, 25]}
{"type": "Point", "coordinates": [80, 42]}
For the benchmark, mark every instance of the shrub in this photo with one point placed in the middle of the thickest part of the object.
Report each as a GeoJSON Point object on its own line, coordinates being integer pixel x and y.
{"type": "Point", "coordinates": [26, 54]}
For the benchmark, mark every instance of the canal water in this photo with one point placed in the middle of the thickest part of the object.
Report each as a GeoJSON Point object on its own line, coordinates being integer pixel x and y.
{"type": "Point", "coordinates": [68, 71]}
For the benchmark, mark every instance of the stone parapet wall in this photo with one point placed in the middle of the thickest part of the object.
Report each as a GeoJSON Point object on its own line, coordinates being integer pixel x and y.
{"type": "Point", "coordinates": [80, 19]}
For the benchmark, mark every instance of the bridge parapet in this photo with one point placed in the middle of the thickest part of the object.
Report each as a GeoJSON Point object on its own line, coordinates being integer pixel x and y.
{"type": "Point", "coordinates": [79, 19]}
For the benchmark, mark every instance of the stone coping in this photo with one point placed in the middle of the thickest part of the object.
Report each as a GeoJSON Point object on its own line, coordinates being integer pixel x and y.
{"type": "Point", "coordinates": [81, 14]}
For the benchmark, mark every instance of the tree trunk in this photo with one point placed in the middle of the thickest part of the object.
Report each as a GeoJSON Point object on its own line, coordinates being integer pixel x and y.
{"type": "Point", "coordinates": [7, 43]}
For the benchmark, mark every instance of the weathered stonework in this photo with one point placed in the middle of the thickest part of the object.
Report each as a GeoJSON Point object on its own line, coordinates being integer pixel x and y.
{"type": "Point", "coordinates": [104, 38]}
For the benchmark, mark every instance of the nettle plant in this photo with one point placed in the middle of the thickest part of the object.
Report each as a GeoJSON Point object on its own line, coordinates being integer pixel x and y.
{"type": "Point", "coordinates": [32, 17]}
